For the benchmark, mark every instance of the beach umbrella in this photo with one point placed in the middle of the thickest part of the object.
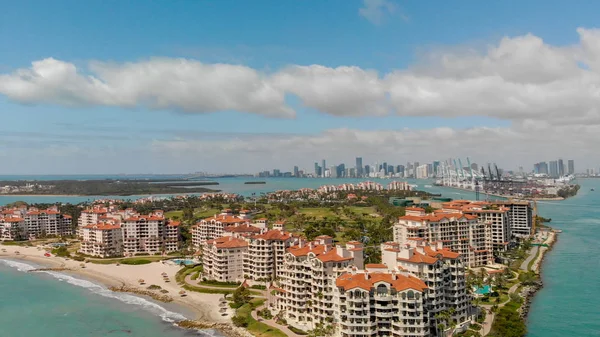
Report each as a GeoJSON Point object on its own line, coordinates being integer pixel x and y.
{"type": "Point", "coordinates": [82, 265]}
{"type": "Point", "coordinates": [182, 292]}
{"type": "Point", "coordinates": [164, 274]}
{"type": "Point", "coordinates": [17, 252]}
{"type": "Point", "coordinates": [141, 281]}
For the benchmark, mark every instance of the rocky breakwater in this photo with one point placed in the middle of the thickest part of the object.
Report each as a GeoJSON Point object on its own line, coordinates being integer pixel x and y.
{"type": "Point", "coordinates": [127, 289]}
{"type": "Point", "coordinates": [226, 329]}
{"type": "Point", "coordinates": [527, 294]}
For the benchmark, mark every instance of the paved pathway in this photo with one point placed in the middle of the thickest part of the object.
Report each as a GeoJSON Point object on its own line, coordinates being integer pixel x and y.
{"type": "Point", "coordinates": [489, 317]}
{"type": "Point", "coordinates": [271, 322]}
{"type": "Point", "coordinates": [532, 253]}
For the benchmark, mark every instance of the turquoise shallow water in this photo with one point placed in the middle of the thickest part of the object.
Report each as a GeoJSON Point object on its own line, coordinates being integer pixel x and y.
{"type": "Point", "coordinates": [568, 305]}
{"type": "Point", "coordinates": [58, 305]}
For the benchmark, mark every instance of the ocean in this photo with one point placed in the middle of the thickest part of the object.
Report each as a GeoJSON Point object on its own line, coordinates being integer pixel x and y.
{"type": "Point", "coordinates": [66, 307]}
{"type": "Point", "coordinates": [52, 304]}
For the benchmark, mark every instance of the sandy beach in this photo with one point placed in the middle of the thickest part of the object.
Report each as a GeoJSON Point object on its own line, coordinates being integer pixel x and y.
{"type": "Point", "coordinates": [204, 306]}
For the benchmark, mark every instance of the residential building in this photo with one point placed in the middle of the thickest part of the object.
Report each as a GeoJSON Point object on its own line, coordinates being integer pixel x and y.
{"type": "Point", "coordinates": [554, 169]}
{"type": "Point", "coordinates": [461, 233]}
{"type": "Point", "coordinates": [213, 227]}
{"type": "Point", "coordinates": [571, 168]}
{"type": "Point", "coordinates": [223, 258]}
{"type": "Point", "coordinates": [21, 223]}
{"type": "Point", "coordinates": [144, 234]}
{"type": "Point", "coordinates": [306, 294]}
{"type": "Point", "coordinates": [102, 240]}
{"type": "Point", "coordinates": [561, 168]}
{"type": "Point", "coordinates": [442, 270]}
{"type": "Point", "coordinates": [265, 254]}
{"type": "Point", "coordinates": [520, 214]}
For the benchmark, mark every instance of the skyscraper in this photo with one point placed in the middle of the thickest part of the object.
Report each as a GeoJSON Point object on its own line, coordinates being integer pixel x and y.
{"type": "Point", "coordinates": [317, 171]}
{"type": "Point", "coordinates": [436, 165]}
{"type": "Point", "coordinates": [561, 168]}
{"type": "Point", "coordinates": [571, 169]}
{"type": "Point", "coordinates": [359, 167]}
{"type": "Point", "coordinates": [543, 167]}
{"type": "Point", "coordinates": [296, 173]}
{"type": "Point", "coordinates": [554, 169]}
{"type": "Point", "coordinates": [323, 168]}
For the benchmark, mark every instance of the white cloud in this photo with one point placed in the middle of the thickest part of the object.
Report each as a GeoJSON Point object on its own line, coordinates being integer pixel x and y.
{"type": "Point", "coordinates": [518, 79]}
{"type": "Point", "coordinates": [376, 10]}
{"type": "Point", "coordinates": [180, 84]}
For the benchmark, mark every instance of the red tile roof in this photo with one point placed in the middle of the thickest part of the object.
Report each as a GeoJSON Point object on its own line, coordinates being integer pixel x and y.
{"type": "Point", "coordinates": [227, 242]}
{"type": "Point", "coordinates": [274, 235]}
{"type": "Point", "coordinates": [349, 281]}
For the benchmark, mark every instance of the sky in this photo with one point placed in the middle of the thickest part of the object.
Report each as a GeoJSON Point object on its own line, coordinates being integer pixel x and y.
{"type": "Point", "coordinates": [224, 86]}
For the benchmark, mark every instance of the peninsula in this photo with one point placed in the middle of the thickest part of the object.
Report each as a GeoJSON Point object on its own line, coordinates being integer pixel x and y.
{"type": "Point", "coordinates": [123, 187]}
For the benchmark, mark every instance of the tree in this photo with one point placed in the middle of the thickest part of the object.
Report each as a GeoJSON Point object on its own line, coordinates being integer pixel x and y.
{"type": "Point", "coordinates": [241, 296]}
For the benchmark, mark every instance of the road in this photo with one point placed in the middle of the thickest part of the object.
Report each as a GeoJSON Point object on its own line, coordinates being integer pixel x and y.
{"type": "Point", "coordinates": [532, 253]}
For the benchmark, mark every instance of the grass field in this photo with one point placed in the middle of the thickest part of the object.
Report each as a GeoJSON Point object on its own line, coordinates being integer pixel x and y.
{"type": "Point", "coordinates": [257, 328]}
{"type": "Point", "coordinates": [129, 260]}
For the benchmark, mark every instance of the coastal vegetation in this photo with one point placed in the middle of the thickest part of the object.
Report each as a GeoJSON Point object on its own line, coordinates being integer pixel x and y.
{"type": "Point", "coordinates": [103, 187]}
{"type": "Point", "coordinates": [568, 191]}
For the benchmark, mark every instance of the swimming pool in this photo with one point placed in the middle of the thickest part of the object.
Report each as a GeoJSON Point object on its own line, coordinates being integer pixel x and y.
{"type": "Point", "coordinates": [187, 262]}
{"type": "Point", "coordinates": [483, 290]}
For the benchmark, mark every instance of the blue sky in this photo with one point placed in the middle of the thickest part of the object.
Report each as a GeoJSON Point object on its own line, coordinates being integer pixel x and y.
{"type": "Point", "coordinates": [92, 131]}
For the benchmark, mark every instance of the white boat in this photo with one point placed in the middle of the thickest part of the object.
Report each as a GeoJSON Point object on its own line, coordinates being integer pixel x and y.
{"type": "Point", "coordinates": [428, 186]}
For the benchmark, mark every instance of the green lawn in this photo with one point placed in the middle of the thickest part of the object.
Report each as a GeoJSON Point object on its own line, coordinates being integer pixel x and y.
{"type": "Point", "coordinates": [206, 213]}
{"type": "Point", "coordinates": [317, 212]}
{"type": "Point", "coordinates": [254, 327]}
{"type": "Point", "coordinates": [363, 210]}
{"type": "Point", "coordinates": [173, 214]}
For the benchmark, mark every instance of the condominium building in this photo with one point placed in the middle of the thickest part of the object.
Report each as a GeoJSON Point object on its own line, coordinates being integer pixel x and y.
{"type": "Point", "coordinates": [148, 234]}
{"type": "Point", "coordinates": [30, 223]}
{"type": "Point", "coordinates": [326, 284]}
{"type": "Point", "coordinates": [306, 291]}
{"type": "Point", "coordinates": [520, 215]}
{"type": "Point", "coordinates": [265, 254]}
{"type": "Point", "coordinates": [12, 228]}
{"type": "Point", "coordinates": [461, 233]}
{"type": "Point", "coordinates": [442, 270]}
{"type": "Point", "coordinates": [213, 227]}
{"type": "Point", "coordinates": [102, 240]}
{"type": "Point", "coordinates": [381, 303]}
{"type": "Point", "coordinates": [499, 220]}
{"type": "Point", "coordinates": [223, 258]}
{"type": "Point", "coordinates": [136, 233]}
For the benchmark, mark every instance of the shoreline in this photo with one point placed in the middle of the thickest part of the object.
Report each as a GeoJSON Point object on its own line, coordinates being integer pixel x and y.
{"type": "Point", "coordinates": [529, 292]}
{"type": "Point", "coordinates": [99, 195]}
{"type": "Point", "coordinates": [204, 307]}
{"type": "Point", "coordinates": [504, 196]}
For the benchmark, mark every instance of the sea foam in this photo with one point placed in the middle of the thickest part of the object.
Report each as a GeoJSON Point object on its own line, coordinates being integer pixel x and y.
{"type": "Point", "coordinates": [166, 315]}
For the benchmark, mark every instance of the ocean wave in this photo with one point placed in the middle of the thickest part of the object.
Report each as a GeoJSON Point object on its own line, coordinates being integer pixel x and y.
{"type": "Point", "coordinates": [166, 315]}
{"type": "Point", "coordinates": [20, 266]}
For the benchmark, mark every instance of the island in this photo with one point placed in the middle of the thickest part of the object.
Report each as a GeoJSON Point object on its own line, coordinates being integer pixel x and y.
{"type": "Point", "coordinates": [255, 182]}
{"type": "Point", "coordinates": [107, 187]}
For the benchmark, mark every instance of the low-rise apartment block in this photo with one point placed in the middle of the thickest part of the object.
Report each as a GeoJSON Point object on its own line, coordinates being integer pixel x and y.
{"type": "Point", "coordinates": [223, 258]}
{"type": "Point", "coordinates": [23, 223]}
{"type": "Point", "coordinates": [131, 233]}
{"type": "Point", "coordinates": [102, 240]}
{"type": "Point", "coordinates": [214, 227]}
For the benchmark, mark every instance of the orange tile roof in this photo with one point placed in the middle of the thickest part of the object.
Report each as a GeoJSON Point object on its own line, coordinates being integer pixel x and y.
{"type": "Point", "coordinates": [349, 281]}
{"type": "Point", "coordinates": [415, 209]}
{"type": "Point", "coordinates": [146, 218]}
{"type": "Point", "coordinates": [102, 226]}
{"type": "Point", "coordinates": [446, 253]}
{"type": "Point", "coordinates": [332, 256]}
{"type": "Point", "coordinates": [419, 258]}
{"type": "Point", "coordinates": [173, 223]}
{"type": "Point", "coordinates": [226, 219]}
{"type": "Point", "coordinates": [243, 228]}
{"type": "Point", "coordinates": [303, 251]}
{"type": "Point", "coordinates": [13, 219]}
{"type": "Point", "coordinates": [375, 265]}
{"type": "Point", "coordinates": [274, 235]}
{"type": "Point", "coordinates": [227, 242]}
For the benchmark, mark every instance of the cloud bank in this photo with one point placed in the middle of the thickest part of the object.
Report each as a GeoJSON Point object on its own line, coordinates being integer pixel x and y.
{"type": "Point", "coordinates": [518, 79]}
